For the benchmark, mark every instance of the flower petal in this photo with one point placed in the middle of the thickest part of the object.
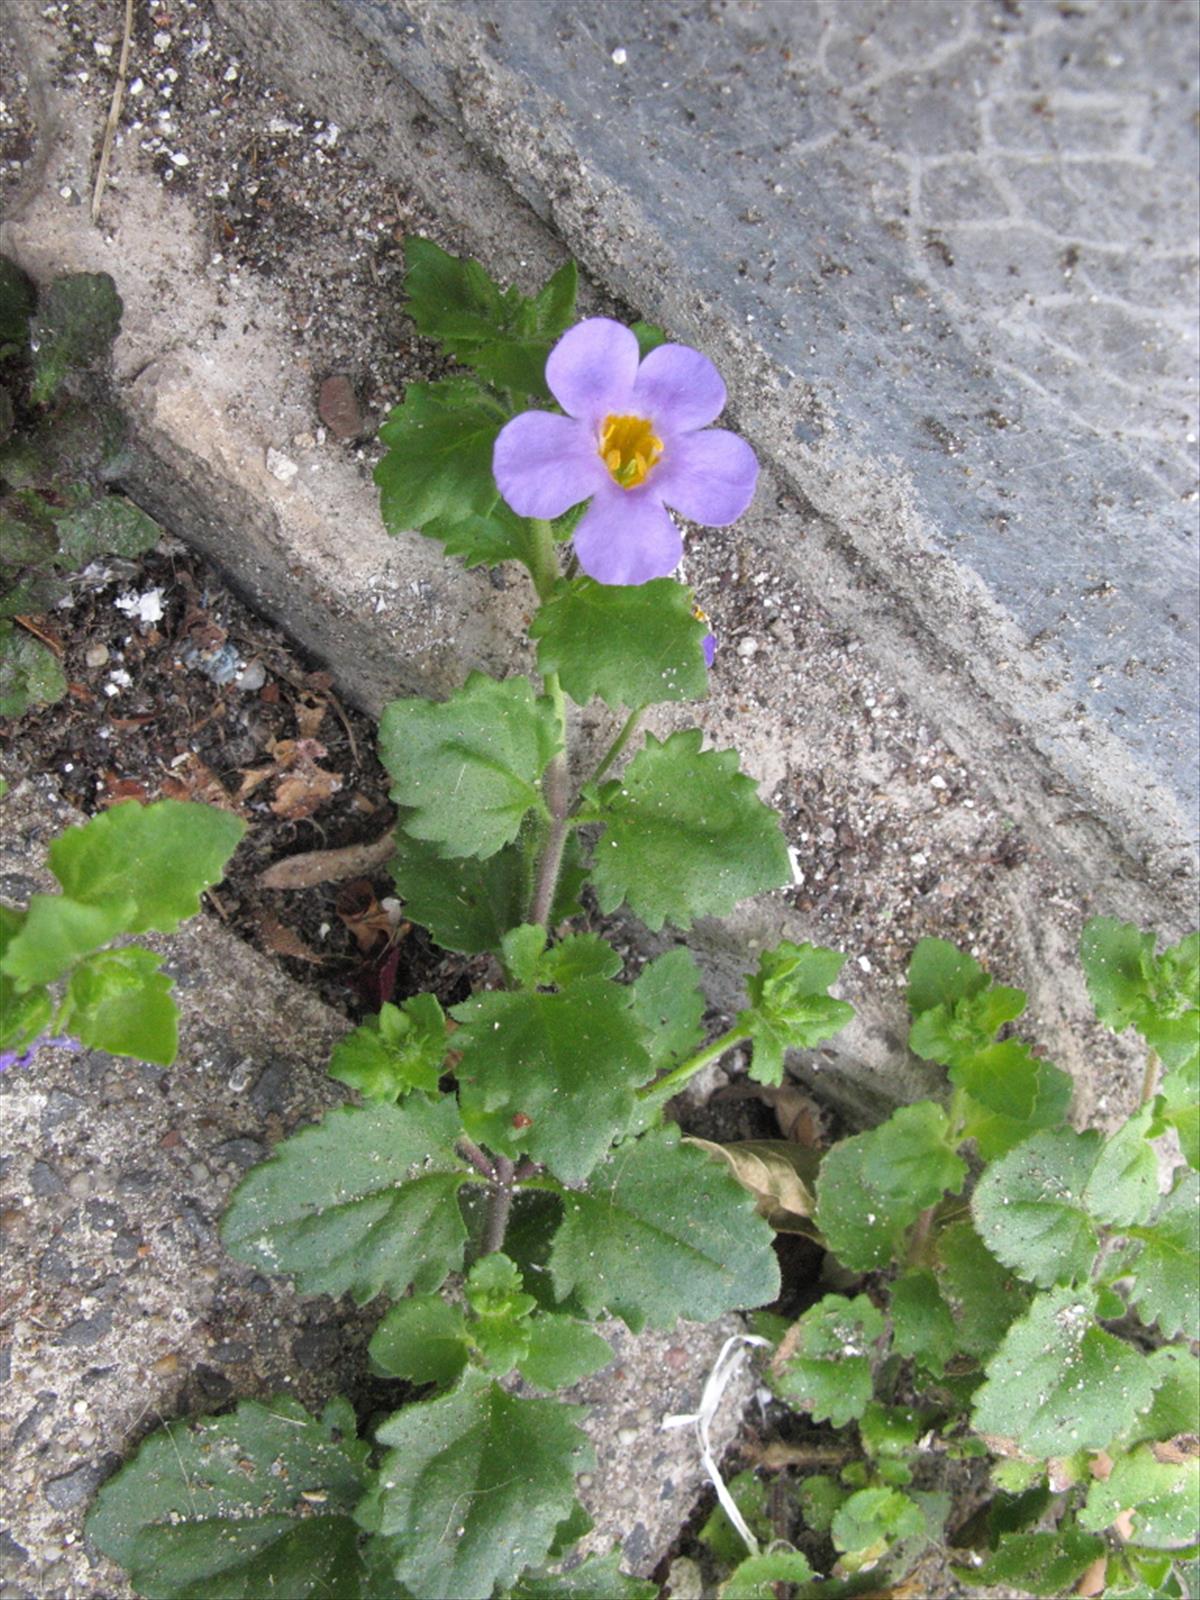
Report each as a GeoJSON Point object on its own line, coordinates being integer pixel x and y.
{"type": "Point", "coordinates": [678, 388]}
{"type": "Point", "coordinates": [707, 477]}
{"type": "Point", "coordinates": [591, 369]}
{"type": "Point", "coordinates": [545, 464]}
{"type": "Point", "coordinates": [627, 537]}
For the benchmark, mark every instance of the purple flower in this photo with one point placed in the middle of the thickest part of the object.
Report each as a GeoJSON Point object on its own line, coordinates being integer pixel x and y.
{"type": "Point", "coordinates": [44, 1041]}
{"type": "Point", "coordinates": [635, 440]}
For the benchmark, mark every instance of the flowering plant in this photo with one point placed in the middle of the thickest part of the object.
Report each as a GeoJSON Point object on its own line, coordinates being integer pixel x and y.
{"type": "Point", "coordinates": [508, 1175]}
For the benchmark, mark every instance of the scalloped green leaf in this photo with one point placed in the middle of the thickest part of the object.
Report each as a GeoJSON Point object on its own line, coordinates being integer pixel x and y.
{"type": "Point", "coordinates": [685, 834]}
{"type": "Point", "coordinates": [628, 646]}
{"type": "Point", "coordinates": [870, 1522]}
{"type": "Point", "coordinates": [30, 672]}
{"type": "Point", "coordinates": [1175, 1373]}
{"type": "Point", "coordinates": [1160, 1486]}
{"type": "Point", "coordinates": [1166, 1262]}
{"type": "Point", "coordinates": [758, 1577]}
{"type": "Point", "coordinates": [437, 471]}
{"type": "Point", "coordinates": [561, 1352]}
{"type": "Point", "coordinates": [495, 1470]}
{"type": "Point", "coordinates": [119, 1001]}
{"type": "Point", "coordinates": [874, 1186]}
{"type": "Point", "coordinates": [828, 1371]}
{"type": "Point", "coordinates": [237, 1507]}
{"type": "Point", "coordinates": [662, 1232]}
{"type": "Point", "coordinates": [158, 858]}
{"type": "Point", "coordinates": [789, 1006]}
{"type": "Point", "coordinates": [364, 1202]}
{"type": "Point", "coordinates": [923, 1325]}
{"type": "Point", "coordinates": [1029, 1207]}
{"type": "Point", "coordinates": [56, 933]}
{"type": "Point", "coordinates": [984, 1297]}
{"type": "Point", "coordinates": [1012, 1093]}
{"type": "Point", "coordinates": [469, 768]}
{"type": "Point", "coordinates": [104, 524]}
{"type": "Point", "coordinates": [401, 1049]}
{"type": "Point", "coordinates": [596, 1578]}
{"type": "Point", "coordinates": [503, 334]}
{"type": "Point", "coordinates": [423, 1339]}
{"type": "Point", "coordinates": [1059, 1383]}
{"type": "Point", "coordinates": [1036, 1563]}
{"type": "Point", "coordinates": [940, 974]}
{"type": "Point", "coordinates": [550, 1075]}
{"type": "Point", "coordinates": [1178, 1103]}
{"type": "Point", "coordinates": [668, 1002]}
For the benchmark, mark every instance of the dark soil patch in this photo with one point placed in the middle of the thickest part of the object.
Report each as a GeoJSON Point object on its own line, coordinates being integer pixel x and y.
{"type": "Point", "coordinates": [178, 690]}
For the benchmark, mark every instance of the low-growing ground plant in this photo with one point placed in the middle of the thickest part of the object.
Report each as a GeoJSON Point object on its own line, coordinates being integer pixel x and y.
{"type": "Point", "coordinates": [1014, 1297]}
{"type": "Point", "coordinates": [62, 439]}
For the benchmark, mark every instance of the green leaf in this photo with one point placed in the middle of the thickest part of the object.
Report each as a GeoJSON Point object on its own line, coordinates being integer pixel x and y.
{"type": "Point", "coordinates": [922, 1324]}
{"type": "Point", "coordinates": [363, 1202]}
{"type": "Point", "coordinates": [1123, 1186]}
{"type": "Point", "coordinates": [158, 858]}
{"type": "Point", "coordinates": [484, 540]}
{"type": "Point", "coordinates": [630, 646]}
{"type": "Point", "coordinates": [496, 1471]}
{"type": "Point", "coordinates": [438, 466]}
{"type": "Point", "coordinates": [749, 1494]}
{"type": "Point", "coordinates": [423, 1339]}
{"type": "Point", "coordinates": [104, 524]}
{"type": "Point", "coordinates": [1059, 1383]}
{"type": "Point", "coordinates": [467, 904]}
{"type": "Point", "coordinates": [1158, 995]}
{"type": "Point", "coordinates": [1160, 1486]}
{"type": "Point", "coordinates": [940, 974]}
{"type": "Point", "coordinates": [1175, 1373]}
{"type": "Point", "coordinates": [238, 1507]}
{"type": "Point", "coordinates": [1012, 1094]}
{"type": "Point", "coordinates": [118, 1000]}
{"type": "Point", "coordinates": [820, 1497]}
{"type": "Point", "coordinates": [984, 1297]}
{"type": "Point", "coordinates": [686, 834]}
{"type": "Point", "coordinates": [500, 1330]}
{"type": "Point", "coordinates": [401, 1049]}
{"type": "Point", "coordinates": [578, 956]}
{"type": "Point", "coordinates": [890, 1431]}
{"type": "Point", "coordinates": [469, 768]}
{"type": "Point", "coordinates": [504, 335]}
{"type": "Point", "coordinates": [756, 1577]}
{"type": "Point", "coordinates": [75, 324]}
{"type": "Point", "coordinates": [1029, 1207]}
{"type": "Point", "coordinates": [662, 1232]}
{"type": "Point", "coordinates": [1166, 1267]}
{"type": "Point", "coordinates": [668, 1002]}
{"type": "Point", "coordinates": [30, 674]}
{"type": "Point", "coordinates": [22, 1017]}
{"type": "Point", "coordinates": [789, 1006]}
{"type": "Point", "coordinates": [58, 932]}
{"type": "Point", "coordinates": [562, 1351]}
{"type": "Point", "coordinates": [1117, 962]}
{"type": "Point", "coordinates": [871, 1521]}
{"type": "Point", "coordinates": [874, 1186]}
{"type": "Point", "coordinates": [1036, 1563]}
{"type": "Point", "coordinates": [829, 1371]}
{"type": "Point", "coordinates": [551, 1075]}
{"type": "Point", "coordinates": [1178, 1104]}
{"type": "Point", "coordinates": [954, 1031]}
{"type": "Point", "coordinates": [597, 1578]}
{"type": "Point", "coordinates": [648, 335]}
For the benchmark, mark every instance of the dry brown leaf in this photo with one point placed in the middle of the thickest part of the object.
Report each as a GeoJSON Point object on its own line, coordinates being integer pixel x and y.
{"type": "Point", "coordinates": [117, 789]}
{"type": "Point", "coordinates": [287, 942]}
{"type": "Point", "coordinates": [778, 1174]}
{"type": "Point", "coordinates": [1095, 1579]}
{"type": "Point", "coordinates": [310, 713]}
{"type": "Point", "coordinates": [797, 1115]}
{"type": "Point", "coordinates": [329, 866]}
{"type": "Point", "coordinates": [252, 777]}
{"type": "Point", "coordinates": [194, 779]}
{"type": "Point", "coordinates": [367, 920]}
{"type": "Point", "coordinates": [303, 792]}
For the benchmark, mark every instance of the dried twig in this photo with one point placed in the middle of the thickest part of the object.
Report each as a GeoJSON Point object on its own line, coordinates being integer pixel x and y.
{"type": "Point", "coordinates": [114, 114]}
{"type": "Point", "coordinates": [328, 866]}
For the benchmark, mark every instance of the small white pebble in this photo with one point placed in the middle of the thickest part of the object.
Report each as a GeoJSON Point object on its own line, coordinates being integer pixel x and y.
{"type": "Point", "coordinates": [937, 781]}
{"type": "Point", "coordinates": [281, 466]}
{"type": "Point", "coordinates": [747, 647]}
{"type": "Point", "coordinates": [620, 56]}
{"type": "Point", "coordinates": [162, 40]}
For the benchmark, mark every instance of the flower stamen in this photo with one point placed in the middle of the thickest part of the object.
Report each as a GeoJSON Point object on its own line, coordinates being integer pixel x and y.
{"type": "Point", "coordinates": [629, 449]}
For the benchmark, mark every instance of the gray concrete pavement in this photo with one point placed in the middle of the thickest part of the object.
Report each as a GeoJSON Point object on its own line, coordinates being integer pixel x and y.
{"type": "Point", "coordinates": [962, 240]}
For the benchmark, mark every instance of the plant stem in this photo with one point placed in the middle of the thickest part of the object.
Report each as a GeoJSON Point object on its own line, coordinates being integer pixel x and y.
{"type": "Point", "coordinates": [557, 788]}
{"type": "Point", "coordinates": [919, 1237]}
{"type": "Point", "coordinates": [1149, 1078]}
{"type": "Point", "coordinates": [471, 1152]}
{"type": "Point", "coordinates": [674, 1080]}
{"type": "Point", "coordinates": [619, 743]}
{"type": "Point", "coordinates": [499, 1204]}
{"type": "Point", "coordinates": [543, 563]}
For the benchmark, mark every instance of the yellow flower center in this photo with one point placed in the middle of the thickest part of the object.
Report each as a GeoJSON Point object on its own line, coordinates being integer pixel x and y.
{"type": "Point", "coordinates": [629, 449]}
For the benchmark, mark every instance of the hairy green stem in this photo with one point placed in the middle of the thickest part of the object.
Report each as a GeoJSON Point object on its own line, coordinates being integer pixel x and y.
{"type": "Point", "coordinates": [557, 788]}
{"type": "Point", "coordinates": [470, 1151]}
{"type": "Point", "coordinates": [499, 1204]}
{"type": "Point", "coordinates": [671, 1082]}
{"type": "Point", "coordinates": [543, 560]}
{"type": "Point", "coordinates": [1149, 1078]}
{"type": "Point", "coordinates": [628, 727]}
